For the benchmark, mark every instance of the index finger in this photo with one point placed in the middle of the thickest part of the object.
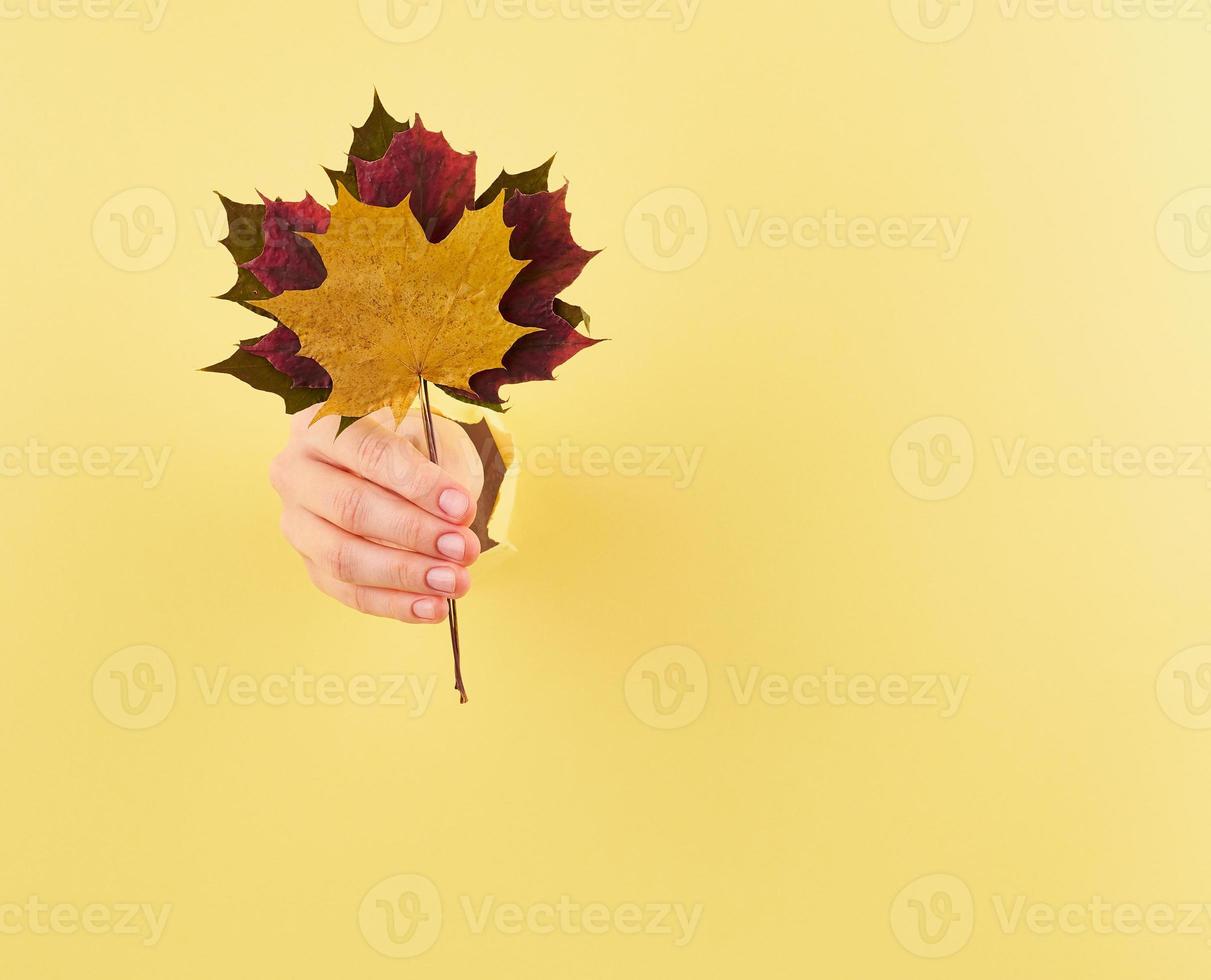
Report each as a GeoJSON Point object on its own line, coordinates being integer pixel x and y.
{"type": "Point", "coordinates": [389, 459]}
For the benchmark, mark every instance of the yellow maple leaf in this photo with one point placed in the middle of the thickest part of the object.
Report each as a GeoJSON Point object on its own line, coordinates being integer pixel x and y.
{"type": "Point", "coordinates": [396, 308]}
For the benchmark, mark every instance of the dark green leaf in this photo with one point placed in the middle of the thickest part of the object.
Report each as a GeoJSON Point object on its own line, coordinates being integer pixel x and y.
{"type": "Point", "coordinates": [467, 398]}
{"type": "Point", "coordinates": [260, 374]}
{"type": "Point", "coordinates": [370, 142]}
{"type": "Point", "coordinates": [245, 238]}
{"type": "Point", "coordinates": [529, 182]}
{"type": "Point", "coordinates": [573, 314]}
{"type": "Point", "coordinates": [246, 289]}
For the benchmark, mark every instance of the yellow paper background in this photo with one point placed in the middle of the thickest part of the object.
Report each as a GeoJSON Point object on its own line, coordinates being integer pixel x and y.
{"type": "Point", "coordinates": [1072, 771]}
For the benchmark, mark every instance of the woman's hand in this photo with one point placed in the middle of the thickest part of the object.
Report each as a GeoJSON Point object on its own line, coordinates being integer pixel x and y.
{"type": "Point", "coordinates": [381, 528]}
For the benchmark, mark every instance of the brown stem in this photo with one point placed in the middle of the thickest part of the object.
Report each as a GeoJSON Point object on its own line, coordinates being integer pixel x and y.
{"type": "Point", "coordinates": [451, 606]}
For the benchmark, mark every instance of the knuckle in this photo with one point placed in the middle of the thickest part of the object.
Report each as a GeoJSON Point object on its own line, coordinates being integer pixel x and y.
{"type": "Point", "coordinates": [406, 527]}
{"type": "Point", "coordinates": [350, 507]}
{"type": "Point", "coordinates": [402, 576]}
{"type": "Point", "coordinates": [341, 561]}
{"type": "Point", "coordinates": [373, 450]}
{"type": "Point", "coordinates": [360, 599]}
{"type": "Point", "coordinates": [422, 479]}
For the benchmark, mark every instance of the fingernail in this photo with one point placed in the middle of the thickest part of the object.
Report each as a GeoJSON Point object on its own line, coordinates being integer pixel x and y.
{"type": "Point", "coordinates": [454, 503]}
{"type": "Point", "coordinates": [452, 546]}
{"type": "Point", "coordinates": [425, 609]}
{"type": "Point", "coordinates": [441, 579]}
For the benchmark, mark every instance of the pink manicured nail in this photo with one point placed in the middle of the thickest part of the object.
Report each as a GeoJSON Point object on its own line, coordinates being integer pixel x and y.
{"type": "Point", "coordinates": [452, 546]}
{"type": "Point", "coordinates": [454, 503]}
{"type": "Point", "coordinates": [442, 579]}
{"type": "Point", "coordinates": [425, 609]}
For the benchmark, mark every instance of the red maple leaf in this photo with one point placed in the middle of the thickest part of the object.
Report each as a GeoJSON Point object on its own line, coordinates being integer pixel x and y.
{"type": "Point", "coordinates": [288, 261]}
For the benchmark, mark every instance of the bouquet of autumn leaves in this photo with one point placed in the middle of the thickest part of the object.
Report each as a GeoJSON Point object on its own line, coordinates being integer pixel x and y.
{"type": "Point", "coordinates": [409, 279]}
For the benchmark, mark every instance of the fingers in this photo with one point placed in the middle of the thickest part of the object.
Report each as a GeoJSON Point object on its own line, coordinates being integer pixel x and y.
{"type": "Point", "coordinates": [368, 511]}
{"type": "Point", "coordinates": [390, 459]}
{"type": "Point", "coordinates": [406, 607]}
{"type": "Point", "coordinates": [381, 529]}
{"type": "Point", "coordinates": [347, 558]}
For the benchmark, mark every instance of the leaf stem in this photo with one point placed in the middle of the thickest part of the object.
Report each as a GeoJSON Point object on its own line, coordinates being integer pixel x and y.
{"type": "Point", "coordinates": [451, 606]}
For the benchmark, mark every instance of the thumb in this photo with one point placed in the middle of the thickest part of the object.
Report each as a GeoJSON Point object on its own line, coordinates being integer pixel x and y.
{"type": "Point", "coordinates": [456, 454]}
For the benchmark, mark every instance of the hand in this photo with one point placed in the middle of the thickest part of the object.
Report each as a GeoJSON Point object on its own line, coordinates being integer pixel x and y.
{"type": "Point", "coordinates": [381, 528]}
